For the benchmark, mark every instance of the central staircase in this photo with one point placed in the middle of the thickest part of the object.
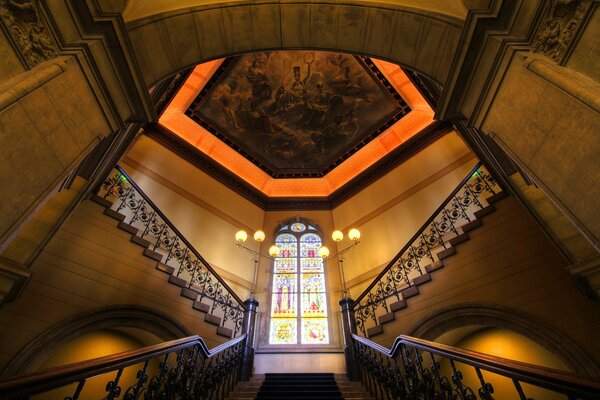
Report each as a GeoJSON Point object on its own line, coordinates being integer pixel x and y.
{"type": "Point", "coordinates": [300, 386]}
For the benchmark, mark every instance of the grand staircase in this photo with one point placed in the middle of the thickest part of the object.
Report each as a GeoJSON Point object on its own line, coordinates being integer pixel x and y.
{"type": "Point", "coordinates": [300, 386]}
{"type": "Point", "coordinates": [160, 241]}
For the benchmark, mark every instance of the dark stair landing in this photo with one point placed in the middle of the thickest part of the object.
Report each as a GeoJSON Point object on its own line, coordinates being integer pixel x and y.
{"type": "Point", "coordinates": [300, 387]}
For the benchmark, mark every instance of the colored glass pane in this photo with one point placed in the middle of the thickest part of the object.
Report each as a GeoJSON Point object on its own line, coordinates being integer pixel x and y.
{"type": "Point", "coordinates": [283, 331]}
{"type": "Point", "coordinates": [285, 265]}
{"type": "Point", "coordinates": [288, 244]}
{"type": "Point", "coordinates": [311, 264]}
{"type": "Point", "coordinates": [298, 227]}
{"type": "Point", "coordinates": [315, 331]}
{"type": "Point", "coordinates": [312, 283]}
{"type": "Point", "coordinates": [314, 304]}
{"type": "Point", "coordinates": [288, 311]}
{"type": "Point", "coordinates": [284, 296]}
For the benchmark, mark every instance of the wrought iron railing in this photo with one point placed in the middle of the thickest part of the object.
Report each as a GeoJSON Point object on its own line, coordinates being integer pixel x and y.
{"type": "Point", "coordinates": [420, 369]}
{"type": "Point", "coordinates": [213, 293]}
{"type": "Point", "coordinates": [179, 369]}
{"type": "Point", "coordinates": [421, 251]}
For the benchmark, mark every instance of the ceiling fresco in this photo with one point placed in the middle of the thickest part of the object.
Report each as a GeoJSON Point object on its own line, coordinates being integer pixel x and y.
{"type": "Point", "coordinates": [297, 114]}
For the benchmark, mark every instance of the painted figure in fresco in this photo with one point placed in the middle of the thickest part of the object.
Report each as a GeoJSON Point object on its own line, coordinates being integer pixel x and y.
{"type": "Point", "coordinates": [229, 113]}
{"type": "Point", "coordinates": [261, 89]}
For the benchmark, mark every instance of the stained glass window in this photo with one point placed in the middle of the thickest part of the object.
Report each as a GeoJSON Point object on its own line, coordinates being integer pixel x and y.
{"type": "Point", "coordinates": [298, 297]}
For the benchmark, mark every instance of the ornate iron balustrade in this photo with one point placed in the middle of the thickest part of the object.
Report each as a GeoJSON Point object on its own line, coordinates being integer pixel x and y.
{"type": "Point", "coordinates": [217, 297]}
{"type": "Point", "coordinates": [412, 370]}
{"type": "Point", "coordinates": [421, 251]}
{"type": "Point", "coordinates": [183, 369]}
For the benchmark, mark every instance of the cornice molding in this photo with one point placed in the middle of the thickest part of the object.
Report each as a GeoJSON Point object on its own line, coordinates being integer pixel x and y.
{"type": "Point", "coordinates": [205, 163]}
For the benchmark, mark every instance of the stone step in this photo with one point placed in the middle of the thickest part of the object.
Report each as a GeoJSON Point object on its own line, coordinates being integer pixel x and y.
{"type": "Point", "coordinates": [128, 228]}
{"type": "Point", "coordinates": [225, 332]}
{"type": "Point", "coordinates": [446, 253]}
{"type": "Point", "coordinates": [167, 269]}
{"type": "Point", "coordinates": [212, 319]}
{"type": "Point", "coordinates": [101, 200]}
{"type": "Point", "coordinates": [485, 211]}
{"type": "Point", "coordinates": [200, 306]}
{"type": "Point", "coordinates": [469, 226]}
{"type": "Point", "coordinates": [497, 197]}
{"type": "Point", "coordinates": [409, 292]}
{"type": "Point", "coordinates": [463, 237]}
{"type": "Point", "coordinates": [114, 214]}
{"type": "Point", "coordinates": [140, 241]}
{"type": "Point", "coordinates": [153, 255]}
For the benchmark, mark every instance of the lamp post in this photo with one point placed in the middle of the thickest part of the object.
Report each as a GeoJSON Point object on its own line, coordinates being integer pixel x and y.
{"type": "Point", "coordinates": [259, 236]}
{"type": "Point", "coordinates": [338, 236]}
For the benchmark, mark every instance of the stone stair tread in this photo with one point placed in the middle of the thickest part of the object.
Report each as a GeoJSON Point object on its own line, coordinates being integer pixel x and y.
{"type": "Point", "coordinates": [435, 266]}
{"type": "Point", "coordinates": [497, 197]}
{"type": "Point", "coordinates": [419, 280]}
{"type": "Point", "coordinates": [469, 226]}
{"type": "Point", "coordinates": [409, 292]}
{"type": "Point", "coordinates": [212, 319]}
{"type": "Point", "coordinates": [446, 253]}
{"type": "Point", "coordinates": [485, 211]}
{"type": "Point", "coordinates": [463, 237]}
{"type": "Point", "coordinates": [114, 214]}
{"type": "Point", "coordinates": [128, 228]}
{"type": "Point", "coordinates": [200, 306]}
{"type": "Point", "coordinates": [153, 255]}
{"type": "Point", "coordinates": [167, 269]}
{"type": "Point", "coordinates": [101, 200]}
{"type": "Point", "coordinates": [140, 241]}
{"type": "Point", "coordinates": [175, 280]}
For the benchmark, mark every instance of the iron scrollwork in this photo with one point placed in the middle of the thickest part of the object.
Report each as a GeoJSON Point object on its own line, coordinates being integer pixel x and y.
{"type": "Point", "coordinates": [164, 239]}
{"type": "Point", "coordinates": [413, 260]}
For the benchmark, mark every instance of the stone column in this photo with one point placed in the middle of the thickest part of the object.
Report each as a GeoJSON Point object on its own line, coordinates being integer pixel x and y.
{"type": "Point", "coordinates": [349, 328]}
{"type": "Point", "coordinates": [248, 327]}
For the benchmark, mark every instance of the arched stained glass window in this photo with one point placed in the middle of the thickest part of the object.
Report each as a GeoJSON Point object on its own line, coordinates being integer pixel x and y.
{"type": "Point", "coordinates": [299, 301]}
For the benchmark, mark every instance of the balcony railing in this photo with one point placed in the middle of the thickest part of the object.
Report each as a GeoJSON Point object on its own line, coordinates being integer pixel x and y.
{"type": "Point", "coordinates": [179, 369]}
{"type": "Point", "coordinates": [413, 263]}
{"type": "Point", "coordinates": [419, 369]}
{"type": "Point", "coordinates": [214, 296]}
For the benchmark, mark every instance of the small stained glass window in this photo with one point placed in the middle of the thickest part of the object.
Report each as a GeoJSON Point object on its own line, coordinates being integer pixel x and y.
{"type": "Point", "coordinates": [299, 296]}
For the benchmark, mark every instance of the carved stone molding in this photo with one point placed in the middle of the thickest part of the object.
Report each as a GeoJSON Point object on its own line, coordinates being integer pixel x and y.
{"type": "Point", "coordinates": [25, 27]}
{"type": "Point", "coordinates": [560, 27]}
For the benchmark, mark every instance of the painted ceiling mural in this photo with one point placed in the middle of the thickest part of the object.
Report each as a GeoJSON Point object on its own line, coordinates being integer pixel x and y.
{"type": "Point", "coordinates": [297, 113]}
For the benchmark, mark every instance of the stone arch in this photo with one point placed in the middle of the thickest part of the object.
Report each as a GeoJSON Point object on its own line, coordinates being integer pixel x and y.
{"type": "Point", "coordinates": [423, 40]}
{"type": "Point", "coordinates": [460, 315]}
{"type": "Point", "coordinates": [32, 355]}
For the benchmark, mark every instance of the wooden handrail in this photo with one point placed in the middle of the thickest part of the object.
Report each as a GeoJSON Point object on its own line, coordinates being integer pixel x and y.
{"type": "Point", "coordinates": [183, 239]}
{"type": "Point", "coordinates": [553, 379]}
{"type": "Point", "coordinates": [416, 235]}
{"type": "Point", "coordinates": [53, 378]}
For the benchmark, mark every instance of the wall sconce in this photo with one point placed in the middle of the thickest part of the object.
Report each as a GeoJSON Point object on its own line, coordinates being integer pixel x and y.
{"type": "Point", "coordinates": [259, 236]}
{"type": "Point", "coordinates": [338, 236]}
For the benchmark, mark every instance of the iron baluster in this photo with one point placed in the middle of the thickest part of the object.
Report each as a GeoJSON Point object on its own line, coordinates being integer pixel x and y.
{"type": "Point", "coordinates": [134, 391]}
{"type": "Point", "coordinates": [486, 389]}
{"type": "Point", "coordinates": [520, 390]}
{"type": "Point", "coordinates": [113, 388]}
{"type": "Point", "coordinates": [464, 393]}
{"type": "Point", "coordinates": [78, 390]}
{"type": "Point", "coordinates": [474, 195]}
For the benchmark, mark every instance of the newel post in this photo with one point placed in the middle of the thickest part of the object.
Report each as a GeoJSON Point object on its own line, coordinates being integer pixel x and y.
{"type": "Point", "coordinates": [349, 328]}
{"type": "Point", "coordinates": [248, 327]}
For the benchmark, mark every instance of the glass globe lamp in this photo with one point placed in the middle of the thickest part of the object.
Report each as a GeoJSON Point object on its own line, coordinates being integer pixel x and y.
{"type": "Point", "coordinates": [259, 236]}
{"type": "Point", "coordinates": [354, 234]}
{"type": "Point", "coordinates": [273, 251]}
{"type": "Point", "coordinates": [323, 252]}
{"type": "Point", "coordinates": [337, 236]}
{"type": "Point", "coordinates": [241, 236]}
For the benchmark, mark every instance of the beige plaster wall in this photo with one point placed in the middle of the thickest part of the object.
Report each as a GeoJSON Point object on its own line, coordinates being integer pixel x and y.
{"type": "Point", "coordinates": [320, 362]}
{"type": "Point", "coordinates": [90, 263]}
{"type": "Point", "coordinates": [205, 211]}
{"type": "Point", "coordinates": [393, 208]}
{"type": "Point", "coordinates": [507, 262]}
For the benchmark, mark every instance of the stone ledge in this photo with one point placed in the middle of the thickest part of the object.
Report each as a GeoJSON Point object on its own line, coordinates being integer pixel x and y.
{"type": "Point", "coordinates": [13, 279]}
{"type": "Point", "coordinates": [587, 276]}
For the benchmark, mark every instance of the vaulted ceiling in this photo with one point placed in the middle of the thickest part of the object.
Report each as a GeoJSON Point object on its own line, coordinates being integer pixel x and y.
{"type": "Point", "coordinates": [294, 129]}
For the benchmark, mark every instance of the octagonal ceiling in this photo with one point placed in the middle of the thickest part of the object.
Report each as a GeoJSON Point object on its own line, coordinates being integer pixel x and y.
{"type": "Point", "coordinates": [296, 125]}
{"type": "Point", "coordinates": [297, 113]}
